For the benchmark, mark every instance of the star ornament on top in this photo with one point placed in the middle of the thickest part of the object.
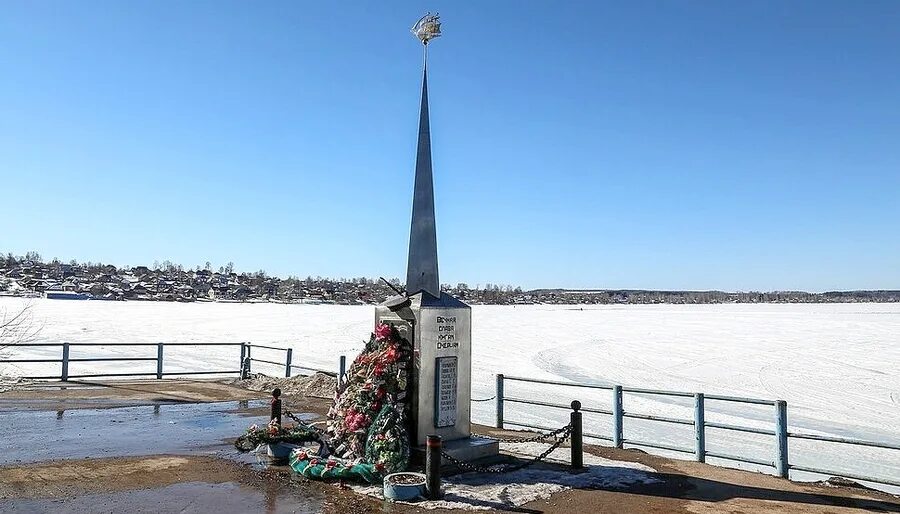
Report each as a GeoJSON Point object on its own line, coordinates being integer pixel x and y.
{"type": "Point", "coordinates": [427, 28]}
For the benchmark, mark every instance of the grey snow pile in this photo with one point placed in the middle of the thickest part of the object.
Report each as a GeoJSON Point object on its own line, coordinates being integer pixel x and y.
{"type": "Point", "coordinates": [318, 385]}
{"type": "Point", "coordinates": [8, 383]}
{"type": "Point", "coordinates": [489, 491]}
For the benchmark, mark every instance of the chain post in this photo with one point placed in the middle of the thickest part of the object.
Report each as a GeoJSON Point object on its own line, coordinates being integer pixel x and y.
{"type": "Point", "coordinates": [342, 369]}
{"type": "Point", "coordinates": [276, 406]}
{"type": "Point", "coordinates": [433, 454]}
{"type": "Point", "coordinates": [576, 436]}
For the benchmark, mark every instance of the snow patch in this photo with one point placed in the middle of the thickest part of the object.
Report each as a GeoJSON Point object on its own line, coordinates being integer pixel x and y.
{"type": "Point", "coordinates": [489, 491]}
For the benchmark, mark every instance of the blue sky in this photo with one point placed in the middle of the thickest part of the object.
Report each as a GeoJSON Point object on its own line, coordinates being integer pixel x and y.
{"type": "Point", "coordinates": [669, 145]}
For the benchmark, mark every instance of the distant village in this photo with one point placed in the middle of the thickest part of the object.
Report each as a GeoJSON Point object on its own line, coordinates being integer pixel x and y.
{"type": "Point", "coordinates": [30, 276]}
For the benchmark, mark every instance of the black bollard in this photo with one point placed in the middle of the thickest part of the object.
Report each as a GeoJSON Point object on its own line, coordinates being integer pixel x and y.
{"type": "Point", "coordinates": [433, 467]}
{"type": "Point", "coordinates": [276, 406]}
{"type": "Point", "coordinates": [576, 437]}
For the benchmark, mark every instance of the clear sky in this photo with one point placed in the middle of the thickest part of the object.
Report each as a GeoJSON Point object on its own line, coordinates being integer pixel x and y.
{"type": "Point", "coordinates": [660, 144]}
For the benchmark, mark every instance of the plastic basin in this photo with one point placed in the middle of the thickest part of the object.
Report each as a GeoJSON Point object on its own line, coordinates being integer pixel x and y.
{"type": "Point", "coordinates": [414, 489]}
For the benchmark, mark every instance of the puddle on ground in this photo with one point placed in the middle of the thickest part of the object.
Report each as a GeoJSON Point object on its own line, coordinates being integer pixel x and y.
{"type": "Point", "coordinates": [190, 497]}
{"type": "Point", "coordinates": [18, 404]}
{"type": "Point", "coordinates": [199, 428]}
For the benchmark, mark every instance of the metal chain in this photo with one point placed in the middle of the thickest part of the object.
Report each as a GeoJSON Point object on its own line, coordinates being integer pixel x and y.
{"type": "Point", "coordinates": [295, 418]}
{"type": "Point", "coordinates": [536, 439]}
{"type": "Point", "coordinates": [561, 435]}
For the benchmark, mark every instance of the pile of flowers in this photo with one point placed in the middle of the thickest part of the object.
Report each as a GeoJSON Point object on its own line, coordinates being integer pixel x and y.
{"type": "Point", "coordinates": [366, 432]}
{"type": "Point", "coordinates": [376, 389]}
{"type": "Point", "coordinates": [275, 433]}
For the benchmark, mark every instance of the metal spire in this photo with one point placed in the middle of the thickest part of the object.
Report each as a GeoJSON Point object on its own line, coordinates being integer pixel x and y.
{"type": "Point", "coordinates": [422, 266]}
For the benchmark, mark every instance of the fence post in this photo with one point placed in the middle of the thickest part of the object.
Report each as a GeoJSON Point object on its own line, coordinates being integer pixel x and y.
{"type": "Point", "coordinates": [159, 360]}
{"type": "Point", "coordinates": [618, 417]}
{"type": "Point", "coordinates": [287, 363]}
{"type": "Point", "coordinates": [499, 398]}
{"type": "Point", "coordinates": [342, 369]}
{"type": "Point", "coordinates": [577, 444]}
{"type": "Point", "coordinates": [245, 366]}
{"type": "Point", "coordinates": [245, 369]}
{"type": "Point", "coordinates": [781, 446]}
{"type": "Point", "coordinates": [699, 428]}
{"type": "Point", "coordinates": [65, 363]}
{"type": "Point", "coordinates": [243, 355]}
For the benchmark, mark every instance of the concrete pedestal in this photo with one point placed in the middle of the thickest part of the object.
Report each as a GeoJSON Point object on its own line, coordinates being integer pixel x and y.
{"type": "Point", "coordinates": [440, 330]}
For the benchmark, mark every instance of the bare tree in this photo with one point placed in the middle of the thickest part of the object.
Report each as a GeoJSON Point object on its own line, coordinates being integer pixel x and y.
{"type": "Point", "coordinates": [18, 327]}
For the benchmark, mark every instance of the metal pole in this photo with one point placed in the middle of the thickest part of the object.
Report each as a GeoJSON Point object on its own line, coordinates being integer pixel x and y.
{"type": "Point", "coordinates": [243, 355]}
{"type": "Point", "coordinates": [781, 449]}
{"type": "Point", "coordinates": [245, 367]}
{"type": "Point", "coordinates": [699, 428]}
{"type": "Point", "coordinates": [342, 369]}
{"type": "Point", "coordinates": [159, 360]}
{"type": "Point", "coordinates": [433, 467]}
{"type": "Point", "coordinates": [276, 406]}
{"type": "Point", "coordinates": [500, 400]}
{"type": "Point", "coordinates": [577, 444]}
{"type": "Point", "coordinates": [287, 364]}
{"type": "Point", "coordinates": [618, 416]}
{"type": "Point", "coordinates": [65, 363]}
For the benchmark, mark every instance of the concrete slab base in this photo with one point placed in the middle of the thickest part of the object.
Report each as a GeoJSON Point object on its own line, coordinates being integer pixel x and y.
{"type": "Point", "coordinates": [466, 449]}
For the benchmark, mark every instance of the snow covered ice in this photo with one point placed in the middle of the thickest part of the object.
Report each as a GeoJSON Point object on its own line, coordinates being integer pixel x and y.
{"type": "Point", "coordinates": [835, 364]}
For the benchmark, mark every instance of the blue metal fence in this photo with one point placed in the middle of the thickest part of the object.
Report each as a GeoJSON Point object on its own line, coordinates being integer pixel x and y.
{"type": "Point", "coordinates": [779, 461]}
{"type": "Point", "coordinates": [242, 369]}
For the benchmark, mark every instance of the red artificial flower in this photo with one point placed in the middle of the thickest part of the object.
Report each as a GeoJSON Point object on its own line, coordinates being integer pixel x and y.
{"type": "Point", "coordinates": [379, 466]}
{"type": "Point", "coordinates": [382, 331]}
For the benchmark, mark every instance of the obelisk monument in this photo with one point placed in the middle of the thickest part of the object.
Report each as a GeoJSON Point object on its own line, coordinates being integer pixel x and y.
{"type": "Point", "coordinates": [438, 325]}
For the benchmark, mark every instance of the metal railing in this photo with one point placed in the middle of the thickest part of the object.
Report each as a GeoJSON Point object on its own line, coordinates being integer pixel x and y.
{"type": "Point", "coordinates": [247, 359]}
{"type": "Point", "coordinates": [781, 434]}
{"type": "Point", "coordinates": [243, 368]}
{"type": "Point", "coordinates": [66, 358]}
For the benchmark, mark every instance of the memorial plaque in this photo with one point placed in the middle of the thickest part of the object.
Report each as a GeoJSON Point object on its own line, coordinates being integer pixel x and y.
{"type": "Point", "coordinates": [445, 379]}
